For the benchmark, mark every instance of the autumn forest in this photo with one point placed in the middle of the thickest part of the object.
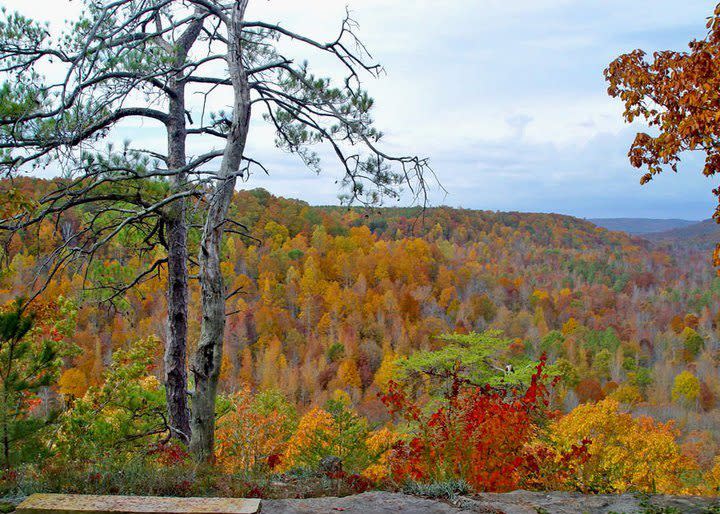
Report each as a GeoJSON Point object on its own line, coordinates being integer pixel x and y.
{"type": "Point", "coordinates": [165, 332]}
{"type": "Point", "coordinates": [335, 305]}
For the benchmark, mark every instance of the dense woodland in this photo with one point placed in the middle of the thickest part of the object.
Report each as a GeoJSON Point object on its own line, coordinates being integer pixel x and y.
{"type": "Point", "coordinates": [335, 311]}
{"type": "Point", "coordinates": [163, 333]}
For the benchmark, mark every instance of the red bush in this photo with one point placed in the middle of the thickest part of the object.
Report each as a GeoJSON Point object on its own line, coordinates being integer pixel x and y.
{"type": "Point", "coordinates": [482, 435]}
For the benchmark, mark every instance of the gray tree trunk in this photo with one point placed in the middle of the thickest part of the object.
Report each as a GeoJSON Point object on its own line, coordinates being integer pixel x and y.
{"type": "Point", "coordinates": [175, 360]}
{"type": "Point", "coordinates": [208, 358]}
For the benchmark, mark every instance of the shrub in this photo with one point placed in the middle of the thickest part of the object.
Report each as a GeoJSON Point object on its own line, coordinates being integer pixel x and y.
{"type": "Point", "coordinates": [482, 435]}
{"type": "Point", "coordinates": [123, 416]}
{"type": "Point", "coordinates": [335, 431]}
{"type": "Point", "coordinates": [253, 432]}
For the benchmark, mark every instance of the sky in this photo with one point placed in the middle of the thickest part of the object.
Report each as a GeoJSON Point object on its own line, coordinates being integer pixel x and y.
{"type": "Point", "coordinates": [506, 98]}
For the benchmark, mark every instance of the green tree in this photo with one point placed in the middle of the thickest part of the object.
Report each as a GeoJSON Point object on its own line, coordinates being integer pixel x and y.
{"type": "Point", "coordinates": [693, 343]}
{"type": "Point", "coordinates": [29, 360]}
{"type": "Point", "coordinates": [479, 358]}
{"type": "Point", "coordinates": [601, 364]}
{"type": "Point", "coordinates": [112, 421]}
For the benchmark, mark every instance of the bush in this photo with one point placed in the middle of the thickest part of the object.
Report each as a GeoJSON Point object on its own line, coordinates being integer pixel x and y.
{"type": "Point", "coordinates": [123, 416]}
{"type": "Point", "coordinates": [482, 435]}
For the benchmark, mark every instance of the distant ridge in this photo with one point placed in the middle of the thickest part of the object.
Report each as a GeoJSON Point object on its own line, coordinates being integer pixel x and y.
{"type": "Point", "coordinates": [641, 226]}
{"type": "Point", "coordinates": [704, 234]}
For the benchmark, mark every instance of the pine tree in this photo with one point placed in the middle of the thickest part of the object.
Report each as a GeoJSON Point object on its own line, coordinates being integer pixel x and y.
{"type": "Point", "coordinates": [27, 363]}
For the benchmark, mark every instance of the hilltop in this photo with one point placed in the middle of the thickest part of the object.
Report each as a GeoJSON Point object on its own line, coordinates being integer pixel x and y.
{"type": "Point", "coordinates": [705, 234]}
{"type": "Point", "coordinates": [641, 226]}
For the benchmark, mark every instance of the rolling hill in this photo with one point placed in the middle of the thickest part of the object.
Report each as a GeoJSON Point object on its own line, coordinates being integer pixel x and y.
{"type": "Point", "coordinates": [703, 234]}
{"type": "Point", "coordinates": [641, 226]}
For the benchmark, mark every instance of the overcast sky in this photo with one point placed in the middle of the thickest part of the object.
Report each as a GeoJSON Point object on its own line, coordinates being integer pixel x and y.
{"type": "Point", "coordinates": [506, 97]}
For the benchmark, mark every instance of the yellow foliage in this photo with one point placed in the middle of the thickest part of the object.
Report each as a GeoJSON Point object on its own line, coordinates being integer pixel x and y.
{"type": "Point", "coordinates": [570, 326]}
{"type": "Point", "coordinates": [686, 389]}
{"type": "Point", "coordinates": [379, 444]}
{"type": "Point", "coordinates": [246, 439]}
{"type": "Point", "coordinates": [625, 453]}
{"type": "Point", "coordinates": [712, 478]}
{"type": "Point", "coordinates": [386, 371]}
{"type": "Point", "coordinates": [540, 295]}
{"type": "Point", "coordinates": [348, 374]}
{"type": "Point", "coordinates": [342, 397]}
{"type": "Point", "coordinates": [149, 383]}
{"type": "Point", "coordinates": [315, 431]}
{"type": "Point", "coordinates": [73, 383]}
{"type": "Point", "coordinates": [627, 393]}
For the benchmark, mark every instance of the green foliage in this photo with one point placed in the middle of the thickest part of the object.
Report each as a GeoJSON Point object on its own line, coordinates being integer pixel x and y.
{"type": "Point", "coordinates": [641, 378]}
{"type": "Point", "coordinates": [335, 352]}
{"type": "Point", "coordinates": [480, 358]}
{"type": "Point", "coordinates": [568, 373]}
{"type": "Point", "coordinates": [597, 340]}
{"type": "Point", "coordinates": [31, 353]}
{"type": "Point", "coordinates": [351, 433]}
{"type": "Point", "coordinates": [601, 363]}
{"type": "Point", "coordinates": [552, 343]}
{"type": "Point", "coordinates": [692, 343]}
{"type": "Point", "coordinates": [448, 489]}
{"type": "Point", "coordinates": [295, 254]}
{"type": "Point", "coordinates": [124, 414]}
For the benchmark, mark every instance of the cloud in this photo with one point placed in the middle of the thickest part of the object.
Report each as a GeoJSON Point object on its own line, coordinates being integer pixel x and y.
{"type": "Point", "coordinates": [506, 97]}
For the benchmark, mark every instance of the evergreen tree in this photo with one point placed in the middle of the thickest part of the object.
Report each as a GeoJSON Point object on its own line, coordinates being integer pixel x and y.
{"type": "Point", "coordinates": [28, 363]}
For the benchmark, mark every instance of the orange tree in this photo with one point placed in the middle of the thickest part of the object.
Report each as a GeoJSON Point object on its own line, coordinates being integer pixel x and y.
{"type": "Point", "coordinates": [678, 95]}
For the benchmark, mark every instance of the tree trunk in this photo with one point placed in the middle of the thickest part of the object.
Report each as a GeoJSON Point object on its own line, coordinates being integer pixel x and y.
{"type": "Point", "coordinates": [176, 345]}
{"type": "Point", "coordinates": [175, 360]}
{"type": "Point", "coordinates": [208, 358]}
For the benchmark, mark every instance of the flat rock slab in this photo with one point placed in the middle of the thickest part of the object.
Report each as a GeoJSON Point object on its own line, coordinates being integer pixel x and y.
{"type": "Point", "coordinates": [518, 502]}
{"type": "Point", "coordinates": [91, 504]}
{"type": "Point", "coordinates": [527, 502]}
{"type": "Point", "coordinates": [376, 502]}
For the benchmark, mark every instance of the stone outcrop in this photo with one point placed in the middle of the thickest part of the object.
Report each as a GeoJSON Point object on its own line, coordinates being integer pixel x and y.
{"type": "Point", "coordinates": [378, 502]}
{"type": "Point", "coordinates": [518, 502]}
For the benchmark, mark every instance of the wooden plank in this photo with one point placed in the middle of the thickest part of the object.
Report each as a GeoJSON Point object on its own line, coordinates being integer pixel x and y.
{"type": "Point", "coordinates": [92, 504]}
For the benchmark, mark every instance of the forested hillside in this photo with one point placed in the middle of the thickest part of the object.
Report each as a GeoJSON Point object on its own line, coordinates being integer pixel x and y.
{"type": "Point", "coordinates": [329, 301]}
{"type": "Point", "coordinates": [702, 235]}
{"type": "Point", "coordinates": [639, 226]}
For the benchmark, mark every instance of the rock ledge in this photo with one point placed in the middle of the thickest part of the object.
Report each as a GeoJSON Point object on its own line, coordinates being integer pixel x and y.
{"type": "Point", "coordinates": [517, 502]}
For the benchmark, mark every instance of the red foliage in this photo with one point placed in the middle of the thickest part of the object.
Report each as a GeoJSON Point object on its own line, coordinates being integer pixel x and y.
{"type": "Point", "coordinates": [482, 435]}
{"type": "Point", "coordinates": [357, 483]}
{"type": "Point", "coordinates": [274, 461]}
{"type": "Point", "coordinates": [169, 454]}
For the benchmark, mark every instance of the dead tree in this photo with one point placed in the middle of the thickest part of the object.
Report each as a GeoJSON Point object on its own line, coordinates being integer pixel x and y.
{"type": "Point", "coordinates": [305, 111]}
{"type": "Point", "coordinates": [124, 59]}
{"type": "Point", "coordinates": [187, 39]}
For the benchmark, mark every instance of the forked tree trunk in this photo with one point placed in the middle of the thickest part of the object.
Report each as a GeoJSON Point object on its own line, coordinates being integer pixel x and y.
{"type": "Point", "coordinates": [208, 358]}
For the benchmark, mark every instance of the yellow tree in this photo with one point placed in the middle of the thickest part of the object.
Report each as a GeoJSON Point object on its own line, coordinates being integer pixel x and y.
{"type": "Point", "coordinates": [686, 389]}
{"type": "Point", "coordinates": [626, 453]}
